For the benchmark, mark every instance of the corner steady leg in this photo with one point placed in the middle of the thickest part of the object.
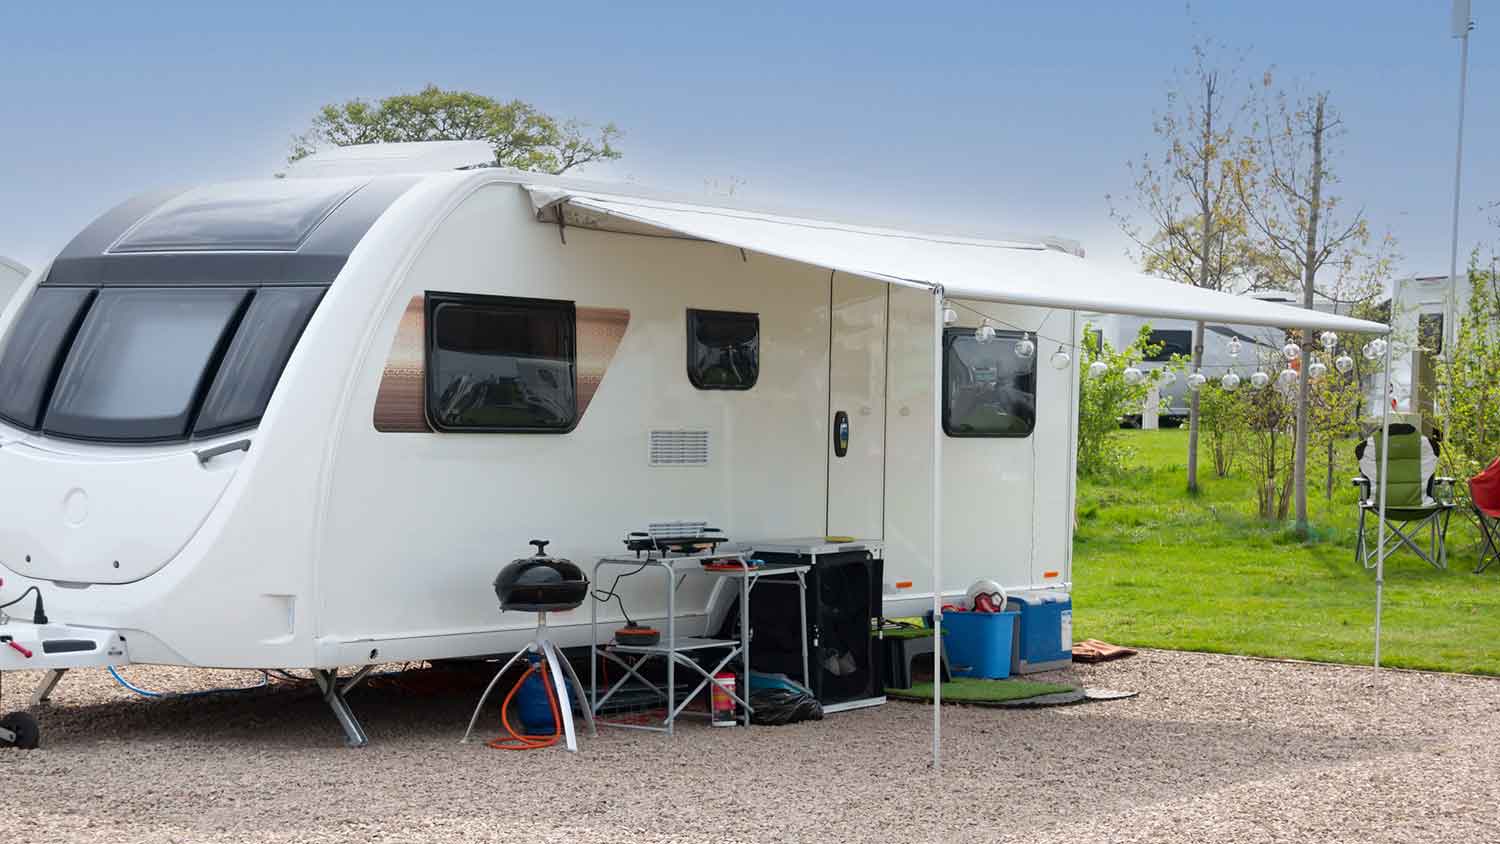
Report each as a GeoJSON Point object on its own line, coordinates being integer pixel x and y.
{"type": "Point", "coordinates": [333, 694]}
{"type": "Point", "coordinates": [44, 689]}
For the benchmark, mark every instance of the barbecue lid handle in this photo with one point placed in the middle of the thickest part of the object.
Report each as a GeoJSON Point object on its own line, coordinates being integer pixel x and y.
{"type": "Point", "coordinates": [541, 546]}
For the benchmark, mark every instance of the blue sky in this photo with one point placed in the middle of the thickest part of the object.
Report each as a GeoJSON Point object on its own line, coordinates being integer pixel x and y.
{"type": "Point", "coordinates": [988, 117]}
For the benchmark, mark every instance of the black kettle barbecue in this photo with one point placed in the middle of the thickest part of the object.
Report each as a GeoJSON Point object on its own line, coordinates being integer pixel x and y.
{"type": "Point", "coordinates": [540, 583]}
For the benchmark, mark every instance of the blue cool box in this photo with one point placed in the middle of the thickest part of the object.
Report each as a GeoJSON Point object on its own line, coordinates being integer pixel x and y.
{"type": "Point", "coordinates": [1046, 639]}
{"type": "Point", "coordinates": [978, 643]}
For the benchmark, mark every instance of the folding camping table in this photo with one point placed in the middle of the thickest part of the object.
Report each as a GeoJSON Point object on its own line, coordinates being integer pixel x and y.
{"type": "Point", "coordinates": [676, 650]}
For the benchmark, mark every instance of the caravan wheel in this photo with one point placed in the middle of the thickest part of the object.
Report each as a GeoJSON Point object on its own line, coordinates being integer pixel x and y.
{"type": "Point", "coordinates": [27, 735]}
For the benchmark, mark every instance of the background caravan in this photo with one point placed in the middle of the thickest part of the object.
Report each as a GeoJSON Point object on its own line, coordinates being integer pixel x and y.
{"type": "Point", "coordinates": [300, 423]}
{"type": "Point", "coordinates": [12, 273]}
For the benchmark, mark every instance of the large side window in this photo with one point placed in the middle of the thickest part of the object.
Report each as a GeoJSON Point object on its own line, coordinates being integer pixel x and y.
{"type": "Point", "coordinates": [988, 390]}
{"type": "Point", "coordinates": [723, 349]}
{"type": "Point", "coordinates": [501, 364]}
{"type": "Point", "coordinates": [252, 365]}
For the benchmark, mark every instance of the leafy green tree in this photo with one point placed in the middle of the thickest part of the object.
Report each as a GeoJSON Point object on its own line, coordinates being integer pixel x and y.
{"type": "Point", "coordinates": [1468, 406]}
{"type": "Point", "coordinates": [1104, 397]}
{"type": "Point", "coordinates": [1193, 228]}
{"type": "Point", "coordinates": [1224, 421]}
{"type": "Point", "coordinates": [523, 137]}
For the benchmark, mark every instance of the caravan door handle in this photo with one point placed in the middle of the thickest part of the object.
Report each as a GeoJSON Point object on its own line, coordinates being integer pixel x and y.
{"type": "Point", "coordinates": [840, 434]}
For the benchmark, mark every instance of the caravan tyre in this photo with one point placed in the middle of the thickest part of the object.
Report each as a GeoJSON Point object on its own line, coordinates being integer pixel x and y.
{"type": "Point", "coordinates": [28, 734]}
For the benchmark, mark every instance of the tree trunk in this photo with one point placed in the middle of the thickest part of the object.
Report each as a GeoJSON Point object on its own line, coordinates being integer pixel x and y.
{"type": "Point", "coordinates": [1192, 460]}
{"type": "Point", "coordinates": [1309, 272]}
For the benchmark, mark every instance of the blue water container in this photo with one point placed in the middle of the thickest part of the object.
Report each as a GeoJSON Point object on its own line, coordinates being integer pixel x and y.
{"type": "Point", "coordinates": [978, 644]}
{"type": "Point", "coordinates": [1046, 639]}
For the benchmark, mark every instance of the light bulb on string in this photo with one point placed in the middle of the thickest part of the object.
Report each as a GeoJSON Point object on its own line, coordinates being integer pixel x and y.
{"type": "Point", "coordinates": [1291, 351]}
{"type": "Point", "coordinates": [1234, 348]}
{"type": "Point", "coordinates": [1329, 340]}
{"type": "Point", "coordinates": [1196, 381]}
{"type": "Point", "coordinates": [1133, 376]}
{"type": "Point", "coordinates": [1378, 346]}
{"type": "Point", "coordinates": [950, 316]}
{"type": "Point", "coordinates": [1230, 382]}
{"type": "Point", "coordinates": [1368, 351]}
{"type": "Point", "coordinates": [1317, 370]}
{"type": "Point", "coordinates": [1167, 378]}
{"type": "Point", "coordinates": [1061, 359]}
{"type": "Point", "coordinates": [1343, 363]}
{"type": "Point", "coordinates": [985, 332]}
{"type": "Point", "coordinates": [1287, 377]}
{"type": "Point", "coordinates": [1259, 380]}
{"type": "Point", "coordinates": [1098, 368]}
{"type": "Point", "coordinates": [1025, 347]}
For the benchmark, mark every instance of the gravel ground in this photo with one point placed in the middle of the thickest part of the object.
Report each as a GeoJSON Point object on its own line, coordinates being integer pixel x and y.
{"type": "Point", "coordinates": [1215, 748]}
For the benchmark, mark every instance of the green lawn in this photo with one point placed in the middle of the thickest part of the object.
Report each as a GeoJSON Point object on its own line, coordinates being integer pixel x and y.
{"type": "Point", "coordinates": [1155, 567]}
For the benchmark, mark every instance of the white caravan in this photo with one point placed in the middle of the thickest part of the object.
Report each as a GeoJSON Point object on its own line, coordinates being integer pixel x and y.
{"type": "Point", "coordinates": [301, 422]}
{"type": "Point", "coordinates": [12, 273]}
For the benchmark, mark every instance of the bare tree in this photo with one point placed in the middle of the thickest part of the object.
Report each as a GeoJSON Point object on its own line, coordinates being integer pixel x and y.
{"type": "Point", "coordinates": [1193, 228]}
{"type": "Point", "coordinates": [1296, 220]}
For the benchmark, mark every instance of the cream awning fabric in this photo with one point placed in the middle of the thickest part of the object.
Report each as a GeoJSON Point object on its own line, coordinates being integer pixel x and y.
{"type": "Point", "coordinates": [1011, 272]}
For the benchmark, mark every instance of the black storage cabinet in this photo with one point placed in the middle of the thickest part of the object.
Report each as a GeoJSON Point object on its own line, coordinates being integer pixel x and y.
{"type": "Point", "coordinates": [843, 610]}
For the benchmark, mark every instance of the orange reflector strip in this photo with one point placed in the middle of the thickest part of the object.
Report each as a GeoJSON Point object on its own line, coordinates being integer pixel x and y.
{"type": "Point", "coordinates": [1049, 574]}
{"type": "Point", "coordinates": [903, 584]}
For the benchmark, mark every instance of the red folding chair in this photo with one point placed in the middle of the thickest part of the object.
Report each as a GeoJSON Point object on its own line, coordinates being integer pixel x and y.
{"type": "Point", "coordinates": [1484, 492]}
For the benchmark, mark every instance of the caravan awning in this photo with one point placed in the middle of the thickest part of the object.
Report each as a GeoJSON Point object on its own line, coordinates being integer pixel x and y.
{"type": "Point", "coordinates": [1010, 272]}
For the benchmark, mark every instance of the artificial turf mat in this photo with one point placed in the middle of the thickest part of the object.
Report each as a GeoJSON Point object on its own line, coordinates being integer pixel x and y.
{"type": "Point", "coordinates": [975, 690]}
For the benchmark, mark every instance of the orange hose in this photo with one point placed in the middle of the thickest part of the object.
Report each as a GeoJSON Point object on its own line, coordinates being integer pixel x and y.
{"type": "Point", "coordinates": [522, 741]}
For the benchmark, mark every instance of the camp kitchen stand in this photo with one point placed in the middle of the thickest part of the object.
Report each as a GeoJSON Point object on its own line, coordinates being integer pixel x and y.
{"type": "Point", "coordinates": [677, 651]}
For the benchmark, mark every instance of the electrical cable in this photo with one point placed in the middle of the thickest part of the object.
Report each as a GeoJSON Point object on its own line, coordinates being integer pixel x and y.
{"type": "Point", "coordinates": [147, 693]}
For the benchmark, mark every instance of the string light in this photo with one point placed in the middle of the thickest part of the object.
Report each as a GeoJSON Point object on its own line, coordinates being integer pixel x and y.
{"type": "Point", "coordinates": [1234, 347]}
{"type": "Point", "coordinates": [1230, 382]}
{"type": "Point", "coordinates": [1168, 377]}
{"type": "Point", "coordinates": [1061, 359]}
{"type": "Point", "coordinates": [950, 316]}
{"type": "Point", "coordinates": [1196, 381]}
{"type": "Point", "coordinates": [1329, 340]}
{"type": "Point", "coordinates": [985, 332]}
{"type": "Point", "coordinates": [1259, 380]}
{"type": "Point", "coordinates": [1133, 376]}
{"type": "Point", "coordinates": [1098, 368]}
{"type": "Point", "coordinates": [1025, 347]}
{"type": "Point", "coordinates": [1343, 363]}
{"type": "Point", "coordinates": [1379, 346]}
{"type": "Point", "coordinates": [1291, 351]}
{"type": "Point", "coordinates": [1317, 370]}
{"type": "Point", "coordinates": [1287, 377]}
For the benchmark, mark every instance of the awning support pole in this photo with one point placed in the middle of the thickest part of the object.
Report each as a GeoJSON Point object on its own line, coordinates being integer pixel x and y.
{"type": "Point", "coordinates": [1385, 460]}
{"type": "Point", "coordinates": [937, 533]}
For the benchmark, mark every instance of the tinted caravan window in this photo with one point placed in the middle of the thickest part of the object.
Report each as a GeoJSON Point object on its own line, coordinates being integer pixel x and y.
{"type": "Point", "coordinates": [723, 349]}
{"type": "Point", "coordinates": [38, 341]}
{"type": "Point", "coordinates": [500, 364]}
{"type": "Point", "coordinates": [253, 363]}
{"type": "Point", "coordinates": [988, 390]}
{"type": "Point", "coordinates": [141, 361]}
{"type": "Point", "coordinates": [1172, 343]}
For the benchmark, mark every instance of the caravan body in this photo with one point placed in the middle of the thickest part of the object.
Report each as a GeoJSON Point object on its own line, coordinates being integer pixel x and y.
{"type": "Point", "coordinates": [301, 423]}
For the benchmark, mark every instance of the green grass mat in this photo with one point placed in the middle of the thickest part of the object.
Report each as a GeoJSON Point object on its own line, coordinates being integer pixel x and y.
{"type": "Point", "coordinates": [973, 690]}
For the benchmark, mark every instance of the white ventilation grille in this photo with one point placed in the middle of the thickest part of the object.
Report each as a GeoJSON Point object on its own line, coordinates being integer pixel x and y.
{"type": "Point", "coordinates": [679, 448]}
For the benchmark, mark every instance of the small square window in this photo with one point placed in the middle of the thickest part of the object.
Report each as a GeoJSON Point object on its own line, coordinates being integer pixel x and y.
{"type": "Point", "coordinates": [988, 390]}
{"type": "Point", "coordinates": [723, 349]}
{"type": "Point", "coordinates": [498, 364]}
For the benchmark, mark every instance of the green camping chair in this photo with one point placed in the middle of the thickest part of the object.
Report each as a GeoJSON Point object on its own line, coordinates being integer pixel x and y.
{"type": "Point", "coordinates": [1415, 497]}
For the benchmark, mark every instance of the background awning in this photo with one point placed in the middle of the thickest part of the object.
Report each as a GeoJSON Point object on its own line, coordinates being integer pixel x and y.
{"type": "Point", "coordinates": [1011, 272]}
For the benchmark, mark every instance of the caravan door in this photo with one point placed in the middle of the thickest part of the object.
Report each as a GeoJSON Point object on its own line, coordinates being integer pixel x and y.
{"type": "Point", "coordinates": [856, 387]}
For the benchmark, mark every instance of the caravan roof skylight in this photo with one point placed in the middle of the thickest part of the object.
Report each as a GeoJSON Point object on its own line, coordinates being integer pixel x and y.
{"type": "Point", "coordinates": [238, 216]}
